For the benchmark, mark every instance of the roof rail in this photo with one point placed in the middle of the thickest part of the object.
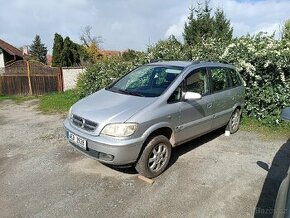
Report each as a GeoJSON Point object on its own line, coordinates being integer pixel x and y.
{"type": "Point", "coordinates": [214, 60]}
{"type": "Point", "coordinates": [197, 61]}
{"type": "Point", "coordinates": [160, 59]}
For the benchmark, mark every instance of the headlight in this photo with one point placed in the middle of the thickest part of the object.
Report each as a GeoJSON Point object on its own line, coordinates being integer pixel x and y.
{"type": "Point", "coordinates": [69, 113]}
{"type": "Point", "coordinates": [119, 129]}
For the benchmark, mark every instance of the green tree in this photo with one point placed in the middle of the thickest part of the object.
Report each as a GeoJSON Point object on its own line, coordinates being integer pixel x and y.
{"type": "Point", "coordinates": [67, 53]}
{"type": "Point", "coordinates": [286, 30]}
{"type": "Point", "coordinates": [37, 50]}
{"type": "Point", "coordinates": [169, 49]}
{"type": "Point", "coordinates": [222, 26]}
{"type": "Point", "coordinates": [202, 26]}
{"type": "Point", "coordinates": [57, 50]}
{"type": "Point", "coordinates": [132, 55]}
{"type": "Point", "coordinates": [76, 50]}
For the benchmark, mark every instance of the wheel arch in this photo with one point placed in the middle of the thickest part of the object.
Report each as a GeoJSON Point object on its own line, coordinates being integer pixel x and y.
{"type": "Point", "coordinates": [159, 129]}
{"type": "Point", "coordinates": [237, 106]}
{"type": "Point", "coordinates": [165, 131]}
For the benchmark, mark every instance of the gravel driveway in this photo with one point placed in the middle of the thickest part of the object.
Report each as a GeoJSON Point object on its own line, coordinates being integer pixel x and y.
{"type": "Point", "coordinates": [213, 176]}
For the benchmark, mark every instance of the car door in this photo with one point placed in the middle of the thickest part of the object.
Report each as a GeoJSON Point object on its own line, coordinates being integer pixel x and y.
{"type": "Point", "coordinates": [222, 96]}
{"type": "Point", "coordinates": [196, 115]}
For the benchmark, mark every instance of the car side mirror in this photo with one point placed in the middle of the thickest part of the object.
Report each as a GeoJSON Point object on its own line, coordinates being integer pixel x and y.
{"type": "Point", "coordinates": [192, 96]}
{"type": "Point", "coordinates": [285, 114]}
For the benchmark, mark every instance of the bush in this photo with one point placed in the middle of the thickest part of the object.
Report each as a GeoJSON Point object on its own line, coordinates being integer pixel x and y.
{"type": "Point", "coordinates": [263, 63]}
{"type": "Point", "coordinates": [169, 49]}
{"type": "Point", "coordinates": [101, 74]}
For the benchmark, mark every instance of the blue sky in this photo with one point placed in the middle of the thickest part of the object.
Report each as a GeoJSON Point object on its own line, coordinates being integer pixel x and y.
{"type": "Point", "coordinates": [128, 23]}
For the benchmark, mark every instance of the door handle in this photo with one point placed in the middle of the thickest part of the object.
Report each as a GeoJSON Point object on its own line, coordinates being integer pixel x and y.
{"type": "Point", "coordinates": [209, 105]}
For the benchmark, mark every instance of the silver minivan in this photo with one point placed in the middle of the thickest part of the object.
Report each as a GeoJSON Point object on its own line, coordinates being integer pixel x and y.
{"type": "Point", "coordinates": [139, 118]}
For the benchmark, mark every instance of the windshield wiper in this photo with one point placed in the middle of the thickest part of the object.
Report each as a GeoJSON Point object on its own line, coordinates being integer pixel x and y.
{"type": "Point", "coordinates": [129, 92]}
{"type": "Point", "coordinates": [124, 91]}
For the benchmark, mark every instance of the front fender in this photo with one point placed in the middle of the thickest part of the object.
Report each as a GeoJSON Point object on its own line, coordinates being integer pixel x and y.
{"type": "Point", "coordinates": [157, 126]}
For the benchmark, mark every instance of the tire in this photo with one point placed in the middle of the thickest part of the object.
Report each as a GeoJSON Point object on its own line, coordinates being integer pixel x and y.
{"type": "Point", "coordinates": [154, 157]}
{"type": "Point", "coordinates": [234, 123]}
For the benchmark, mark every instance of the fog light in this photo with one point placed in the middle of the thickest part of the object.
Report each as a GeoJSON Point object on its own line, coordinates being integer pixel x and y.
{"type": "Point", "coordinates": [106, 157]}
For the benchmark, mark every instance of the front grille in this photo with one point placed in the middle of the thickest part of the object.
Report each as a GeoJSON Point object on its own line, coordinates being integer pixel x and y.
{"type": "Point", "coordinates": [83, 123]}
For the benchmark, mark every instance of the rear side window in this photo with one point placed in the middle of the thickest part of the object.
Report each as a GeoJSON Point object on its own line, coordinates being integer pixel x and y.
{"type": "Point", "coordinates": [219, 79]}
{"type": "Point", "coordinates": [236, 80]}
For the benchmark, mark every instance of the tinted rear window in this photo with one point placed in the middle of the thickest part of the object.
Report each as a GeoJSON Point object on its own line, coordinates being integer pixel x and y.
{"type": "Point", "coordinates": [236, 80]}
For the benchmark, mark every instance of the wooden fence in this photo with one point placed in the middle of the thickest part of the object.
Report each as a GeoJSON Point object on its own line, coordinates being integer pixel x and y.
{"type": "Point", "coordinates": [34, 78]}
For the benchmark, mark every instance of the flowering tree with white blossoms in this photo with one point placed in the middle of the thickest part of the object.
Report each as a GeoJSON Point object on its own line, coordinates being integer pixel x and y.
{"type": "Point", "coordinates": [264, 64]}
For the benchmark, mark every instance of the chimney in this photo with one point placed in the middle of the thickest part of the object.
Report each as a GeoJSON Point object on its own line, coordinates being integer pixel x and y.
{"type": "Point", "coordinates": [25, 50]}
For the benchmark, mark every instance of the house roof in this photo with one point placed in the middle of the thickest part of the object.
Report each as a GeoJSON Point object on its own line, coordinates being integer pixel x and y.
{"type": "Point", "coordinates": [10, 49]}
{"type": "Point", "coordinates": [110, 53]}
{"type": "Point", "coordinates": [49, 60]}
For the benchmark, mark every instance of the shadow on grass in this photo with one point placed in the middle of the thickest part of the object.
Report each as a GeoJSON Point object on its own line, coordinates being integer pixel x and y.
{"type": "Point", "coordinates": [276, 173]}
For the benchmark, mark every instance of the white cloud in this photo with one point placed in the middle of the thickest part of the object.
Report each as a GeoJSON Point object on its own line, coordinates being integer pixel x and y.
{"type": "Point", "coordinates": [246, 16]}
{"type": "Point", "coordinates": [127, 23]}
{"type": "Point", "coordinates": [176, 29]}
{"type": "Point", "coordinates": [255, 16]}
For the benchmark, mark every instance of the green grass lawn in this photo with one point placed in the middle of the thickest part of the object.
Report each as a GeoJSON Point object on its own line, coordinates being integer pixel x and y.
{"type": "Point", "coordinates": [58, 102]}
{"type": "Point", "coordinates": [16, 98]}
{"type": "Point", "coordinates": [267, 132]}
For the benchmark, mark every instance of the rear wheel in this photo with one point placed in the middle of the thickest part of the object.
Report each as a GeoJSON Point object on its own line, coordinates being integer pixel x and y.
{"type": "Point", "coordinates": [155, 157]}
{"type": "Point", "coordinates": [234, 123]}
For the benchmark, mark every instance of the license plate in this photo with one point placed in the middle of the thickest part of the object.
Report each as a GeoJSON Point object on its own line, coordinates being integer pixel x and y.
{"type": "Point", "coordinates": [77, 140]}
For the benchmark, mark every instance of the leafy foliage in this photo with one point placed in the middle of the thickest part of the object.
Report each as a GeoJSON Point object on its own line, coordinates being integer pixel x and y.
{"type": "Point", "coordinates": [37, 50]}
{"type": "Point", "coordinates": [134, 56]}
{"type": "Point", "coordinates": [90, 49]}
{"type": "Point", "coordinates": [286, 30]}
{"type": "Point", "coordinates": [101, 74]}
{"type": "Point", "coordinates": [56, 50]}
{"type": "Point", "coordinates": [66, 53]}
{"type": "Point", "coordinates": [222, 26]}
{"type": "Point", "coordinates": [169, 49]}
{"type": "Point", "coordinates": [70, 53]}
{"type": "Point", "coordinates": [202, 26]}
{"type": "Point", "coordinates": [263, 63]}
{"type": "Point", "coordinates": [93, 53]}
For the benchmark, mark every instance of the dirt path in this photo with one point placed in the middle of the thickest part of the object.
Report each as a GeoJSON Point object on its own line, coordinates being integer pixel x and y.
{"type": "Point", "coordinates": [213, 176]}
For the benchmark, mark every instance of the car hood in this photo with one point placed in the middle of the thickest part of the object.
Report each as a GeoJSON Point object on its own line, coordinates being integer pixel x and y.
{"type": "Point", "coordinates": [105, 107]}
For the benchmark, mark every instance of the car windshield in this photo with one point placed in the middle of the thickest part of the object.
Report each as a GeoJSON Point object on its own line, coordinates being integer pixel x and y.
{"type": "Point", "coordinates": [146, 81]}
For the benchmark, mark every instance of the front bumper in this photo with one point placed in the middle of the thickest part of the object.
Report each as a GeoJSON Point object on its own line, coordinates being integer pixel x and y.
{"type": "Point", "coordinates": [124, 151]}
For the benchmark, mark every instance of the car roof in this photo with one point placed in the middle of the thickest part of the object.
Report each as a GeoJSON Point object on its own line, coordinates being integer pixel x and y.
{"type": "Point", "coordinates": [185, 64]}
{"type": "Point", "coordinates": [173, 63]}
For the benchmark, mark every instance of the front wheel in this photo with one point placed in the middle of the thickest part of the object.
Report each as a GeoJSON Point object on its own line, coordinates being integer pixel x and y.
{"type": "Point", "coordinates": [155, 157]}
{"type": "Point", "coordinates": [234, 123]}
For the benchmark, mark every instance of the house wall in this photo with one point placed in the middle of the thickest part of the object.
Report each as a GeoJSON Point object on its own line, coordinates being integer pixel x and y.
{"type": "Point", "coordinates": [70, 76]}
